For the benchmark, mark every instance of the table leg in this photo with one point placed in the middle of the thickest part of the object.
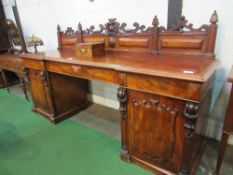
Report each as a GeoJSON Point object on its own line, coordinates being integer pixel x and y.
{"type": "Point", "coordinates": [5, 81]}
{"type": "Point", "coordinates": [24, 88]}
{"type": "Point", "coordinates": [222, 148]}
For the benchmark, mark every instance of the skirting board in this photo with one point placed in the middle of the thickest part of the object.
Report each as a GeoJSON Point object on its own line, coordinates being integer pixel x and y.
{"type": "Point", "coordinates": [103, 101]}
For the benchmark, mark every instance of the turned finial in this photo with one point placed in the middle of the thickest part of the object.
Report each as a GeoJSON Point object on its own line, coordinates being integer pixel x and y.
{"type": "Point", "coordinates": [214, 18]}
{"type": "Point", "coordinates": [58, 28]}
{"type": "Point", "coordinates": [182, 22]}
{"type": "Point", "coordinates": [155, 21]}
{"type": "Point", "coordinates": [80, 26]}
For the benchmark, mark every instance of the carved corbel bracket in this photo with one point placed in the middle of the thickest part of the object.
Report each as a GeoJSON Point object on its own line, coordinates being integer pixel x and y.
{"type": "Point", "coordinates": [44, 78]}
{"type": "Point", "coordinates": [122, 98]}
{"type": "Point", "coordinates": [191, 115]}
{"type": "Point", "coordinates": [25, 70]}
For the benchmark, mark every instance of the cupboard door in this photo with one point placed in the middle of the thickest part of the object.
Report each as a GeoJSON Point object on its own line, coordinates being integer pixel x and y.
{"type": "Point", "coordinates": [152, 128]}
{"type": "Point", "coordinates": [39, 91]}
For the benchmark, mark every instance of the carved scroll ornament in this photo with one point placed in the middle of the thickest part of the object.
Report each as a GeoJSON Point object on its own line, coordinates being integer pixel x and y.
{"type": "Point", "coordinates": [113, 27]}
{"type": "Point", "coordinates": [183, 25]}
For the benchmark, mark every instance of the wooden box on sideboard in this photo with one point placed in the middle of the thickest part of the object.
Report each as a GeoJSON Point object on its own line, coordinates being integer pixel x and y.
{"type": "Point", "coordinates": [90, 49]}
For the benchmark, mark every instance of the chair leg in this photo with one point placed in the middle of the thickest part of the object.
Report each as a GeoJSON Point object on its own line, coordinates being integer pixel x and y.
{"type": "Point", "coordinates": [5, 81]}
{"type": "Point", "coordinates": [222, 149]}
{"type": "Point", "coordinates": [24, 88]}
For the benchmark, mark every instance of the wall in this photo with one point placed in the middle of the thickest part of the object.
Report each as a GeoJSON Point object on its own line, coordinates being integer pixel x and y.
{"type": "Point", "coordinates": [198, 12]}
{"type": "Point", "coordinates": [40, 17]}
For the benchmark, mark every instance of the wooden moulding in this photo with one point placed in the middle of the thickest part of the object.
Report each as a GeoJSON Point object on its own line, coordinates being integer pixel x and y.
{"type": "Point", "coordinates": [90, 49]}
{"type": "Point", "coordinates": [182, 39]}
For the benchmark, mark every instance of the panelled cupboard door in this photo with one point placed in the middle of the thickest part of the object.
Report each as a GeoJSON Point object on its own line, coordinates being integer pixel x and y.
{"type": "Point", "coordinates": [39, 93]}
{"type": "Point", "coordinates": [154, 129]}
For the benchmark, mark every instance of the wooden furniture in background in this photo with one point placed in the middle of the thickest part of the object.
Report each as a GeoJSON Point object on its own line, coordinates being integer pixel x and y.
{"type": "Point", "coordinates": [9, 35]}
{"type": "Point", "coordinates": [14, 36]}
{"type": "Point", "coordinates": [10, 69]}
{"type": "Point", "coordinates": [165, 79]}
{"type": "Point", "coordinates": [227, 127]}
{"type": "Point", "coordinates": [4, 43]}
{"type": "Point", "coordinates": [7, 78]}
{"type": "Point", "coordinates": [13, 72]}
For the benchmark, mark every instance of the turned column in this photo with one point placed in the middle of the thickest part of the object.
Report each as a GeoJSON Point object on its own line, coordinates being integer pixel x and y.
{"type": "Point", "coordinates": [24, 87]}
{"type": "Point", "coordinates": [5, 81]}
{"type": "Point", "coordinates": [24, 82]}
{"type": "Point", "coordinates": [191, 115]}
{"type": "Point", "coordinates": [123, 98]}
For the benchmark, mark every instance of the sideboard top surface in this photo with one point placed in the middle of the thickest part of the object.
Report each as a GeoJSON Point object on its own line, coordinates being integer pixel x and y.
{"type": "Point", "coordinates": [148, 63]}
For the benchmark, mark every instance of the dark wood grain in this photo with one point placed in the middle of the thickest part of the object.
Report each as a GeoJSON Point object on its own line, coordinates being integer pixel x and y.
{"type": "Point", "coordinates": [158, 96]}
{"type": "Point", "coordinates": [147, 63]}
{"type": "Point", "coordinates": [165, 78]}
{"type": "Point", "coordinates": [195, 41]}
{"type": "Point", "coordinates": [89, 49]}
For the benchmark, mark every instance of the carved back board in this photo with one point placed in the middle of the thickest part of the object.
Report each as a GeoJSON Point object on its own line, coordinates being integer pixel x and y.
{"type": "Point", "coordinates": [182, 39]}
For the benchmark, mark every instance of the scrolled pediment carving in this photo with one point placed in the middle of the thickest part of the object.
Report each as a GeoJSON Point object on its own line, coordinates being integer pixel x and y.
{"type": "Point", "coordinates": [113, 27]}
{"type": "Point", "coordinates": [183, 25]}
{"type": "Point", "coordinates": [70, 31]}
{"type": "Point", "coordinates": [121, 36]}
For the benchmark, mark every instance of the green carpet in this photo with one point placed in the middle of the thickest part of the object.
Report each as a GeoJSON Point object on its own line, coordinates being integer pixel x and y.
{"type": "Point", "coordinates": [31, 145]}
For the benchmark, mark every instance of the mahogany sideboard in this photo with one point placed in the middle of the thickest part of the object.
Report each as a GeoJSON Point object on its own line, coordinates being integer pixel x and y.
{"type": "Point", "coordinates": [165, 79]}
{"type": "Point", "coordinates": [227, 127]}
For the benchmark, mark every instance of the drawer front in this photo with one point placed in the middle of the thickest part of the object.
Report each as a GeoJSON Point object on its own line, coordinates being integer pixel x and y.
{"type": "Point", "coordinates": [96, 73]}
{"type": "Point", "coordinates": [14, 64]}
{"type": "Point", "coordinates": [86, 72]}
{"type": "Point", "coordinates": [33, 64]}
{"type": "Point", "coordinates": [164, 86]}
